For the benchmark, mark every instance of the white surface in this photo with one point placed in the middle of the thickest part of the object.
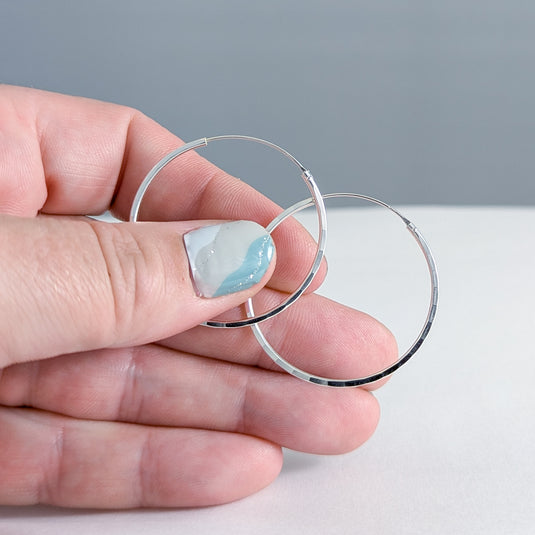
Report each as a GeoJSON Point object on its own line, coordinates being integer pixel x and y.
{"type": "Point", "coordinates": [454, 451]}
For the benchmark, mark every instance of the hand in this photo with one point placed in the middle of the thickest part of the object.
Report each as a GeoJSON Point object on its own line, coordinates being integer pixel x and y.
{"type": "Point", "coordinates": [110, 394]}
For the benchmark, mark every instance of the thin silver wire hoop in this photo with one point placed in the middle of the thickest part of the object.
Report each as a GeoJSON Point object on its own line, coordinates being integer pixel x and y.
{"type": "Point", "coordinates": [431, 312]}
{"type": "Point", "coordinates": [316, 199]}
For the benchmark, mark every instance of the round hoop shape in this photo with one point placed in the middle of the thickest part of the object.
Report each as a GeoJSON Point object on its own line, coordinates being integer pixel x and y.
{"type": "Point", "coordinates": [316, 199]}
{"type": "Point", "coordinates": [431, 312]}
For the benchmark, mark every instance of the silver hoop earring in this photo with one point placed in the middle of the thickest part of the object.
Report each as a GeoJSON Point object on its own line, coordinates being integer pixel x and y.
{"type": "Point", "coordinates": [317, 200]}
{"type": "Point", "coordinates": [431, 312]}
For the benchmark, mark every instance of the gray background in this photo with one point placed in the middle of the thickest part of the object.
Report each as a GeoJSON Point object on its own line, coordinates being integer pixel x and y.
{"type": "Point", "coordinates": [412, 101]}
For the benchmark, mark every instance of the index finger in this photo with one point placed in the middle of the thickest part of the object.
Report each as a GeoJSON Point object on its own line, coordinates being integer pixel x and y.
{"type": "Point", "coordinates": [70, 155]}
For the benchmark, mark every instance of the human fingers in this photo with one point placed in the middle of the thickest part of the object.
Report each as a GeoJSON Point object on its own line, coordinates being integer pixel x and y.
{"type": "Point", "coordinates": [153, 385]}
{"type": "Point", "coordinates": [73, 284]}
{"type": "Point", "coordinates": [316, 334]}
{"type": "Point", "coordinates": [68, 155]}
{"type": "Point", "coordinates": [58, 460]}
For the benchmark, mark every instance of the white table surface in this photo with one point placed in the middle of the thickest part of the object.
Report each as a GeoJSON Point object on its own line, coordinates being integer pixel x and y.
{"type": "Point", "coordinates": [454, 452]}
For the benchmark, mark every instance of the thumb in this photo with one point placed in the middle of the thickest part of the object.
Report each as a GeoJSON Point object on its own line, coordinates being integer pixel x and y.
{"type": "Point", "coordinates": [74, 284]}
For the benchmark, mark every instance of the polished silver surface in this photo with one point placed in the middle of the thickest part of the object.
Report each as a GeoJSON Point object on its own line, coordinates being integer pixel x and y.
{"type": "Point", "coordinates": [316, 199]}
{"type": "Point", "coordinates": [431, 312]}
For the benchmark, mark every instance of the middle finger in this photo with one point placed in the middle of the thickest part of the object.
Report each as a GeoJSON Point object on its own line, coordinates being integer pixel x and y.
{"type": "Point", "coordinates": [158, 386]}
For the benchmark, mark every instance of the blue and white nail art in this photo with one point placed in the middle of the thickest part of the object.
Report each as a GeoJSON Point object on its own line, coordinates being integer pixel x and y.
{"type": "Point", "coordinates": [229, 257]}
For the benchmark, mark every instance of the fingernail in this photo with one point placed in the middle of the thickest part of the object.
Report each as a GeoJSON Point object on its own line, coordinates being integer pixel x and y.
{"type": "Point", "coordinates": [229, 257]}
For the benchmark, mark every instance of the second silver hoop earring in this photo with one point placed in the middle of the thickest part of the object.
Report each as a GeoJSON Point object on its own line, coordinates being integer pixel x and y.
{"type": "Point", "coordinates": [431, 311]}
{"type": "Point", "coordinates": [317, 200]}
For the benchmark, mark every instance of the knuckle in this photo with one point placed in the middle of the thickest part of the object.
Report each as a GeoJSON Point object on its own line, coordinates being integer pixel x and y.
{"type": "Point", "coordinates": [132, 265]}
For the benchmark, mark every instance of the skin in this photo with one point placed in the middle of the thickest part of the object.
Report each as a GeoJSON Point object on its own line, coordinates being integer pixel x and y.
{"type": "Point", "coordinates": [111, 396]}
